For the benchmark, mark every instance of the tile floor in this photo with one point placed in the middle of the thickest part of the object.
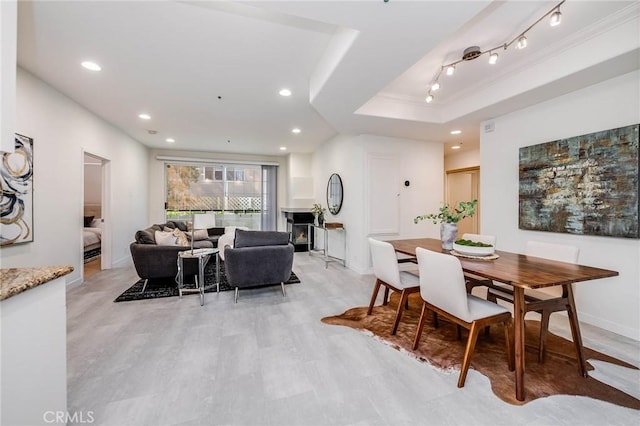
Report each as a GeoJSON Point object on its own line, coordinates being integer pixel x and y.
{"type": "Point", "coordinates": [268, 360]}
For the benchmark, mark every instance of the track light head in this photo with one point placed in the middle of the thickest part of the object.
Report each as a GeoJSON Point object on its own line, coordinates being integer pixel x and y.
{"type": "Point", "coordinates": [522, 42]}
{"type": "Point", "coordinates": [493, 58]}
{"type": "Point", "coordinates": [556, 18]}
{"type": "Point", "coordinates": [451, 69]}
{"type": "Point", "coordinates": [435, 86]}
{"type": "Point", "coordinates": [429, 98]}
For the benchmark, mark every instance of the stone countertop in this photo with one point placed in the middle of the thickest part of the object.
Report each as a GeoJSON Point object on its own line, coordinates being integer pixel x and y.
{"type": "Point", "coordinates": [17, 280]}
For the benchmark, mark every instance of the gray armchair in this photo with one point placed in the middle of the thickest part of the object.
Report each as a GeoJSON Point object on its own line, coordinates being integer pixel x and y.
{"type": "Point", "coordinates": [258, 258]}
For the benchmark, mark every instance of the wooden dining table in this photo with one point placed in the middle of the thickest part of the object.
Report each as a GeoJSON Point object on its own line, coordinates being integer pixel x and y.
{"type": "Point", "coordinates": [521, 272]}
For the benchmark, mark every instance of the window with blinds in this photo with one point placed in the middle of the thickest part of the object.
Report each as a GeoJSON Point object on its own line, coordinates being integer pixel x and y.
{"type": "Point", "coordinates": [240, 195]}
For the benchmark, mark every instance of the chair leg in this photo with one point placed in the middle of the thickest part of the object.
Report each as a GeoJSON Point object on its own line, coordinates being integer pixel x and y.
{"type": "Point", "coordinates": [468, 353]}
{"type": "Point", "coordinates": [491, 297]}
{"type": "Point", "coordinates": [376, 288]}
{"type": "Point", "coordinates": [401, 307]}
{"type": "Point", "coordinates": [386, 296]}
{"type": "Point", "coordinates": [544, 327]}
{"type": "Point", "coordinates": [436, 324]}
{"type": "Point", "coordinates": [458, 332]}
{"type": "Point", "coordinates": [144, 287]}
{"type": "Point", "coordinates": [423, 315]}
{"type": "Point", "coordinates": [236, 298]}
{"type": "Point", "coordinates": [284, 293]}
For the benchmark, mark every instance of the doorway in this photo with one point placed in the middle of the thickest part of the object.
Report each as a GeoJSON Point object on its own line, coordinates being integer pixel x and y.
{"type": "Point", "coordinates": [464, 185]}
{"type": "Point", "coordinates": [95, 232]}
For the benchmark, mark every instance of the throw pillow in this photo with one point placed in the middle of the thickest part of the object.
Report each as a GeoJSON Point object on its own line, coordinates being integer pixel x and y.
{"type": "Point", "coordinates": [198, 234]}
{"type": "Point", "coordinates": [182, 238]}
{"type": "Point", "coordinates": [166, 239]}
{"type": "Point", "coordinates": [88, 220]}
{"type": "Point", "coordinates": [146, 236]}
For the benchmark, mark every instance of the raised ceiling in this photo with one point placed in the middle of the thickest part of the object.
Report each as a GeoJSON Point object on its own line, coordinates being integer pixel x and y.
{"type": "Point", "coordinates": [209, 73]}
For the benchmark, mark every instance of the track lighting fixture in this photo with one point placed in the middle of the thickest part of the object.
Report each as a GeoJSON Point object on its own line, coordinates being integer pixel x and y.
{"type": "Point", "coordinates": [473, 52]}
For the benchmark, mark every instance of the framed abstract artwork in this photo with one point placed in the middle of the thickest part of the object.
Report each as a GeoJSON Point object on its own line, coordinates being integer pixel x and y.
{"type": "Point", "coordinates": [585, 185]}
{"type": "Point", "coordinates": [16, 202]}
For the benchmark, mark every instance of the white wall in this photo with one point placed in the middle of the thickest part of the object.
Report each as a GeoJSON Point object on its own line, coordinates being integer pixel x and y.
{"type": "Point", "coordinates": [462, 160]}
{"type": "Point", "coordinates": [299, 181]}
{"type": "Point", "coordinates": [62, 130]}
{"type": "Point", "coordinates": [156, 189]}
{"type": "Point", "coordinates": [92, 183]}
{"type": "Point", "coordinates": [419, 162]}
{"type": "Point", "coordinates": [613, 303]}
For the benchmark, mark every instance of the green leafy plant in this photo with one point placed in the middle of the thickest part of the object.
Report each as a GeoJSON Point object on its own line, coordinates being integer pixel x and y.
{"type": "Point", "coordinates": [448, 215]}
{"type": "Point", "coordinates": [470, 243]}
{"type": "Point", "coordinates": [317, 210]}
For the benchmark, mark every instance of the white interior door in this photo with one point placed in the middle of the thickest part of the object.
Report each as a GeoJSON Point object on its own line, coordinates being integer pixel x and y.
{"type": "Point", "coordinates": [463, 185]}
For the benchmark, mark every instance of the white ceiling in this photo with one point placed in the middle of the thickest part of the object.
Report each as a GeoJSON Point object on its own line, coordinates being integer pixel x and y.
{"type": "Point", "coordinates": [209, 72]}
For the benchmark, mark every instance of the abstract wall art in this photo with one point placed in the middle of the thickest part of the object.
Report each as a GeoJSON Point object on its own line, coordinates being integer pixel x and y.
{"type": "Point", "coordinates": [16, 200]}
{"type": "Point", "coordinates": [585, 185]}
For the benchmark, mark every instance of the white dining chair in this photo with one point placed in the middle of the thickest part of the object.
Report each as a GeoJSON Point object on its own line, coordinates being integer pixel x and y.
{"type": "Point", "coordinates": [442, 287]}
{"type": "Point", "coordinates": [388, 274]}
{"type": "Point", "coordinates": [545, 301]}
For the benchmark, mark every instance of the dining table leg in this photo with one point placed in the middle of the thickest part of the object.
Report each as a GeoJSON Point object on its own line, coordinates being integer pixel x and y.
{"type": "Point", "coordinates": [575, 330]}
{"type": "Point", "coordinates": [518, 316]}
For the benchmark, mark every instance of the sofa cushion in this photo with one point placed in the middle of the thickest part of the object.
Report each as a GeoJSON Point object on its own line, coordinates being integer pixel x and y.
{"type": "Point", "coordinates": [198, 234]}
{"type": "Point", "coordinates": [260, 238]}
{"type": "Point", "coordinates": [146, 236]}
{"type": "Point", "coordinates": [178, 224]}
{"type": "Point", "coordinates": [166, 239]}
{"type": "Point", "coordinates": [182, 237]}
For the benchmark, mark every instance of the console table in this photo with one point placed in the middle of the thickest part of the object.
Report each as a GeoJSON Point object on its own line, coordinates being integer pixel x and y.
{"type": "Point", "coordinates": [324, 251]}
{"type": "Point", "coordinates": [203, 256]}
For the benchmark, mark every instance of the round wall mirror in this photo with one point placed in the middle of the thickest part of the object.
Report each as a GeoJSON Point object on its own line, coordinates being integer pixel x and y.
{"type": "Point", "coordinates": [334, 193]}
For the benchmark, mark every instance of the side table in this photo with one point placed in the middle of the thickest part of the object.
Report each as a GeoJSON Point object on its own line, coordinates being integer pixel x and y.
{"type": "Point", "coordinates": [324, 252]}
{"type": "Point", "coordinates": [203, 256]}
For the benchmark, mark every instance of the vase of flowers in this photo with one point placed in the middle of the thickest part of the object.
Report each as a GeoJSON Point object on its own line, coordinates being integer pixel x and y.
{"type": "Point", "coordinates": [449, 218]}
{"type": "Point", "coordinates": [318, 212]}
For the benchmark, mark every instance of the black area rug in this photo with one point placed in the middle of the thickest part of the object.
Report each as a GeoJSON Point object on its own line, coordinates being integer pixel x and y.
{"type": "Point", "coordinates": [167, 287]}
{"type": "Point", "coordinates": [92, 254]}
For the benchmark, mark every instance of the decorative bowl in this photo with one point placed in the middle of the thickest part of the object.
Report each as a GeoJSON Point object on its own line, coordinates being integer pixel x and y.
{"type": "Point", "coordinates": [473, 251]}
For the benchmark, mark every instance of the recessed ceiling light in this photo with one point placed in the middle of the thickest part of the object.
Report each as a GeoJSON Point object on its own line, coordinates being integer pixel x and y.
{"type": "Point", "coordinates": [170, 140]}
{"type": "Point", "coordinates": [283, 148]}
{"type": "Point", "coordinates": [285, 92]}
{"type": "Point", "coordinates": [456, 132]}
{"type": "Point", "coordinates": [144, 116]}
{"type": "Point", "coordinates": [455, 147]}
{"type": "Point", "coordinates": [295, 130]}
{"type": "Point", "coordinates": [92, 66]}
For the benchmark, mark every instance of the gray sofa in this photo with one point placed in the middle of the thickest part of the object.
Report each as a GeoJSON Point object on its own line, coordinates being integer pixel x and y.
{"type": "Point", "coordinates": [258, 258]}
{"type": "Point", "coordinates": [154, 261]}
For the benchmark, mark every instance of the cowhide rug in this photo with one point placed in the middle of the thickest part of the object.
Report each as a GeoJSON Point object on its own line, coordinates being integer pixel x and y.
{"type": "Point", "coordinates": [559, 373]}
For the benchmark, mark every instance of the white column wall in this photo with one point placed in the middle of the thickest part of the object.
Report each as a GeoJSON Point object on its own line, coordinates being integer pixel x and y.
{"type": "Point", "coordinates": [421, 163]}
{"type": "Point", "coordinates": [613, 303]}
{"type": "Point", "coordinates": [62, 130]}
